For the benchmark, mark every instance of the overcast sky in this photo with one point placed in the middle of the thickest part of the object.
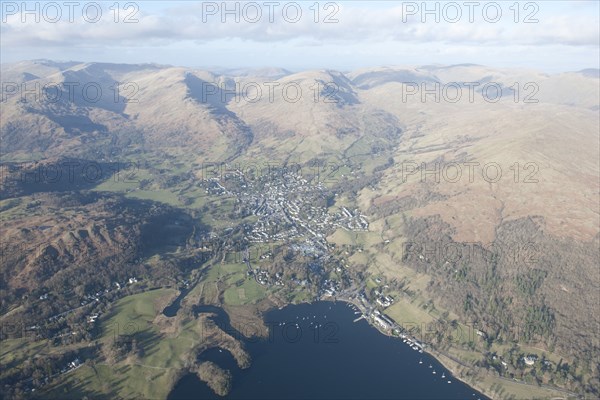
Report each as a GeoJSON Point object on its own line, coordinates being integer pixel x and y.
{"type": "Point", "coordinates": [551, 36]}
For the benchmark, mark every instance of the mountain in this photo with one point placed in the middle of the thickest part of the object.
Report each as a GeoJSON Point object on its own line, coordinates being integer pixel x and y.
{"type": "Point", "coordinates": [538, 194]}
{"type": "Point", "coordinates": [81, 111]}
{"type": "Point", "coordinates": [499, 165]}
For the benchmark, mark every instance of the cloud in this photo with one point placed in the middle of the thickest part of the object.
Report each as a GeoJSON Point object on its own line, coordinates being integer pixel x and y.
{"type": "Point", "coordinates": [360, 23]}
{"type": "Point", "coordinates": [365, 34]}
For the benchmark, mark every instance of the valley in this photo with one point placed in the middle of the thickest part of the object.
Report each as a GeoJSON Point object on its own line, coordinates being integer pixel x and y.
{"type": "Point", "coordinates": [110, 211]}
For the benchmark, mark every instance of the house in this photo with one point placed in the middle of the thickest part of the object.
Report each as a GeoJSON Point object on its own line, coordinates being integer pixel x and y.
{"type": "Point", "coordinates": [381, 322]}
{"type": "Point", "coordinates": [530, 359]}
{"type": "Point", "coordinates": [382, 301]}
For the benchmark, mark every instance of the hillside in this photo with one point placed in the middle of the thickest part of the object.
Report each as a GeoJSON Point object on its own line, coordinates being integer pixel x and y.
{"type": "Point", "coordinates": [507, 175]}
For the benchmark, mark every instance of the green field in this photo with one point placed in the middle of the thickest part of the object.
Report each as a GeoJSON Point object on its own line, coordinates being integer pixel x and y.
{"type": "Point", "coordinates": [149, 375]}
{"type": "Point", "coordinates": [14, 352]}
{"type": "Point", "coordinates": [241, 289]}
{"type": "Point", "coordinates": [249, 292]}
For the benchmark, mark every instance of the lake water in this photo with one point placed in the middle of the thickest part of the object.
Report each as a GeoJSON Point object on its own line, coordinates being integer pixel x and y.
{"type": "Point", "coordinates": [316, 351]}
{"type": "Point", "coordinates": [171, 310]}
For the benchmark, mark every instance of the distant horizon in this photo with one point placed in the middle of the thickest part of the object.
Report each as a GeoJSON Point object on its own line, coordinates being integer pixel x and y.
{"type": "Point", "coordinates": [224, 69]}
{"type": "Point", "coordinates": [553, 36]}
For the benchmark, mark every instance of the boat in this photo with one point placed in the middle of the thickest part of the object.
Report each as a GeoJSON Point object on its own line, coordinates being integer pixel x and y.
{"type": "Point", "coordinates": [449, 381]}
{"type": "Point", "coordinates": [420, 361]}
{"type": "Point", "coordinates": [443, 375]}
{"type": "Point", "coordinates": [430, 366]}
{"type": "Point", "coordinates": [434, 372]}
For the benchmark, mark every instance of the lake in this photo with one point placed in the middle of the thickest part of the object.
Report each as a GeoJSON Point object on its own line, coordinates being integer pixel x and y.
{"type": "Point", "coordinates": [316, 351]}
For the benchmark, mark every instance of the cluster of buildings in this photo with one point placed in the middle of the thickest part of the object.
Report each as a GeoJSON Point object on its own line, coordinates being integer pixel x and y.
{"type": "Point", "coordinates": [330, 287]}
{"type": "Point", "coordinates": [354, 221]}
{"type": "Point", "coordinates": [385, 301]}
{"type": "Point", "coordinates": [386, 324]}
{"type": "Point", "coordinates": [213, 187]}
{"type": "Point", "coordinates": [382, 320]}
{"type": "Point", "coordinates": [287, 205]}
{"type": "Point", "coordinates": [121, 285]}
{"type": "Point", "coordinates": [89, 298]}
{"type": "Point", "coordinates": [262, 277]}
{"type": "Point", "coordinates": [288, 211]}
{"type": "Point", "coordinates": [380, 298]}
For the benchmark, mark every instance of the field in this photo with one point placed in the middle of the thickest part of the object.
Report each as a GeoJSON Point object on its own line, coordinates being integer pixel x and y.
{"type": "Point", "coordinates": [249, 292]}
{"type": "Point", "coordinates": [14, 352]}
{"type": "Point", "coordinates": [129, 184]}
{"type": "Point", "coordinates": [151, 373]}
{"type": "Point", "coordinates": [240, 289]}
{"type": "Point", "coordinates": [407, 313]}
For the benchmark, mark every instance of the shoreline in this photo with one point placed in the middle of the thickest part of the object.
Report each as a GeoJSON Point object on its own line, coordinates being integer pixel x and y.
{"type": "Point", "coordinates": [435, 354]}
{"type": "Point", "coordinates": [448, 361]}
{"type": "Point", "coordinates": [352, 302]}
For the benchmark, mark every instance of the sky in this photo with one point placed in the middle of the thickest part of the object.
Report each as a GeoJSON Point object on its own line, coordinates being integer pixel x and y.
{"type": "Point", "coordinates": [550, 36]}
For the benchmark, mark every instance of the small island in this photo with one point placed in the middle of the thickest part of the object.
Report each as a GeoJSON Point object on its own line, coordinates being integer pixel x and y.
{"type": "Point", "coordinates": [218, 379]}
